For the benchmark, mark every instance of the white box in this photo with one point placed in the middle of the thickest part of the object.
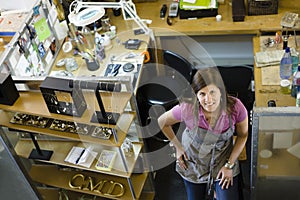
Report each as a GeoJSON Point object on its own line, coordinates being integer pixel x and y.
{"type": "Point", "coordinates": [282, 140]}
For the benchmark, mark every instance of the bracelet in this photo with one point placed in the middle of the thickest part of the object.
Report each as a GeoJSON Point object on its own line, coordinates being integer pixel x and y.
{"type": "Point", "coordinates": [229, 165]}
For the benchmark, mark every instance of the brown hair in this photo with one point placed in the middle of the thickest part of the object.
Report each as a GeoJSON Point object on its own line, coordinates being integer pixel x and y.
{"type": "Point", "coordinates": [206, 76]}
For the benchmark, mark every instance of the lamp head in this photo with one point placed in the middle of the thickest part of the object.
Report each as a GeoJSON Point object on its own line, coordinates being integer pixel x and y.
{"type": "Point", "coordinates": [86, 16]}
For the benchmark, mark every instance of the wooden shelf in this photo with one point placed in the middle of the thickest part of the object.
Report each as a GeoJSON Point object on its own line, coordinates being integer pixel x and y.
{"type": "Point", "coordinates": [33, 103]}
{"type": "Point", "coordinates": [61, 149]}
{"type": "Point", "coordinates": [59, 178]}
{"type": "Point", "coordinates": [53, 193]}
{"type": "Point", "coordinates": [122, 127]}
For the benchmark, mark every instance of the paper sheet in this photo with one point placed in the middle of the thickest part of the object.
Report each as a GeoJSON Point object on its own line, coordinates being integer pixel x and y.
{"type": "Point", "coordinates": [42, 29]}
{"type": "Point", "coordinates": [268, 58]}
{"type": "Point", "coordinates": [270, 75]}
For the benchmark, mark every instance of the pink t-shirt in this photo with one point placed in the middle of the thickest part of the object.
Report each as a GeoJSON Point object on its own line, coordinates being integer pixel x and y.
{"type": "Point", "coordinates": [184, 112]}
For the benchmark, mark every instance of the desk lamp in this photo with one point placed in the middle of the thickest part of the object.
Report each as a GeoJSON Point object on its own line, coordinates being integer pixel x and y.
{"type": "Point", "coordinates": [95, 10]}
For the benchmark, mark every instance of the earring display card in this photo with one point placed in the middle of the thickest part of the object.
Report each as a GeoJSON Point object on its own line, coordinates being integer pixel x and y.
{"type": "Point", "coordinates": [71, 127]}
{"type": "Point", "coordinates": [106, 160]}
{"type": "Point", "coordinates": [102, 132]}
{"type": "Point", "coordinates": [30, 120]}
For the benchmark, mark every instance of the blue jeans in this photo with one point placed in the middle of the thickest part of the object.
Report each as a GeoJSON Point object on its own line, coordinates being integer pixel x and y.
{"type": "Point", "coordinates": [198, 191]}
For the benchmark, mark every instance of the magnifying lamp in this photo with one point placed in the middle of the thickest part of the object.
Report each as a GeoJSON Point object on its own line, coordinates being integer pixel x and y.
{"type": "Point", "coordinates": [93, 11]}
{"type": "Point", "coordinates": [86, 16]}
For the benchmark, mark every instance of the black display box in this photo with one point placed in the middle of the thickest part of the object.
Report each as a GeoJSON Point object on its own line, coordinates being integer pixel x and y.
{"type": "Point", "coordinates": [265, 7]}
{"type": "Point", "coordinates": [199, 13]}
{"type": "Point", "coordinates": [238, 10]}
{"type": "Point", "coordinates": [61, 98]}
{"type": "Point", "coordinates": [8, 91]}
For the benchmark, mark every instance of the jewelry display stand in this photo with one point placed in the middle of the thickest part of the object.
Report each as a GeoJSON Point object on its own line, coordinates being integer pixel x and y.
{"type": "Point", "coordinates": [102, 116]}
{"type": "Point", "coordinates": [37, 153]}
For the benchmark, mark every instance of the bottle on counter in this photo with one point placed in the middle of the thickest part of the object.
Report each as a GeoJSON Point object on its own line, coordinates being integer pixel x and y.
{"type": "Point", "coordinates": [296, 83]}
{"type": "Point", "coordinates": [295, 60]}
{"type": "Point", "coordinates": [298, 98]}
{"type": "Point", "coordinates": [286, 65]}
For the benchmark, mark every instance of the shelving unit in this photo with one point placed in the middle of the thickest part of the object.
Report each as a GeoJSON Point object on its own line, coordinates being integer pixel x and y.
{"type": "Point", "coordinates": [35, 46]}
{"type": "Point", "coordinates": [57, 173]}
{"type": "Point", "coordinates": [50, 175]}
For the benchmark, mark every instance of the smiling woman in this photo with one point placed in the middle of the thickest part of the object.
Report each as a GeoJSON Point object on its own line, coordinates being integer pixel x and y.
{"type": "Point", "coordinates": [211, 119]}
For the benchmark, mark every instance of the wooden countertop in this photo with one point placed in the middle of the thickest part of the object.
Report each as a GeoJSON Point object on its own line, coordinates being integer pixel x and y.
{"type": "Point", "coordinates": [208, 26]}
{"type": "Point", "coordinates": [264, 93]}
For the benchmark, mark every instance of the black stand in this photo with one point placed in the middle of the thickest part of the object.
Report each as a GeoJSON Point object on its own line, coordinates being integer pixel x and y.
{"type": "Point", "coordinates": [111, 118]}
{"type": "Point", "coordinates": [37, 153]}
{"type": "Point", "coordinates": [102, 116]}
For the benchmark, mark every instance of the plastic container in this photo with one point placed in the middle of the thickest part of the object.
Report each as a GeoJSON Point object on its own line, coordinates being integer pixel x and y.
{"type": "Point", "coordinates": [285, 86]}
{"type": "Point", "coordinates": [286, 65]}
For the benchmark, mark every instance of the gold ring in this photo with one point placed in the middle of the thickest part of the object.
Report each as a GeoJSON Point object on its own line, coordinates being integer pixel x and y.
{"type": "Point", "coordinates": [226, 180]}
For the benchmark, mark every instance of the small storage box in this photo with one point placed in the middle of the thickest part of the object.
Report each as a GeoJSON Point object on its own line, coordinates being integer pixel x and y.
{"type": "Point", "coordinates": [238, 10]}
{"type": "Point", "coordinates": [262, 7]}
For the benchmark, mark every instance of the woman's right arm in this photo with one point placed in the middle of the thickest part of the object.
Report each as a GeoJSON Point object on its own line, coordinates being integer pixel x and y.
{"type": "Point", "coordinates": [165, 122]}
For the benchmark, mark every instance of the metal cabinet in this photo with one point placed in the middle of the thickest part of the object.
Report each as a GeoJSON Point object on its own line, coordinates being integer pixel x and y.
{"type": "Point", "coordinates": [275, 159]}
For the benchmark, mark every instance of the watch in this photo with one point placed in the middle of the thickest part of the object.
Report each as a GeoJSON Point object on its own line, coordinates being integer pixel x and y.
{"type": "Point", "coordinates": [229, 165]}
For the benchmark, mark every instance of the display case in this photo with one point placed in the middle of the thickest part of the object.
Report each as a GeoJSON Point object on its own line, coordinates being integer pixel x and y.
{"type": "Point", "coordinates": [73, 156]}
{"type": "Point", "coordinates": [275, 163]}
{"type": "Point", "coordinates": [33, 49]}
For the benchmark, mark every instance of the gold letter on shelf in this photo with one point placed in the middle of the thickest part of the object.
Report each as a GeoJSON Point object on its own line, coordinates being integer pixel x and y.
{"type": "Point", "coordinates": [87, 183]}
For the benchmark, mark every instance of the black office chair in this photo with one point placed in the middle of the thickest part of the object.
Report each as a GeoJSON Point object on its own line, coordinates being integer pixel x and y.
{"type": "Point", "coordinates": [161, 93]}
{"type": "Point", "coordinates": [178, 63]}
{"type": "Point", "coordinates": [237, 80]}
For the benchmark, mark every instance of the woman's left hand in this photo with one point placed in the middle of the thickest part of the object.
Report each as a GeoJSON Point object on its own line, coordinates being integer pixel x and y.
{"type": "Point", "coordinates": [226, 176]}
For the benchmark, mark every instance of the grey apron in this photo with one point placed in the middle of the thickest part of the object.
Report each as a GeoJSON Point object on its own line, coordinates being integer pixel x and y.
{"type": "Point", "coordinates": [207, 153]}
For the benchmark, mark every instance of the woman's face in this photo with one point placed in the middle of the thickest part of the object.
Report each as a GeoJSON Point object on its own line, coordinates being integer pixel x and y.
{"type": "Point", "coordinates": [209, 98]}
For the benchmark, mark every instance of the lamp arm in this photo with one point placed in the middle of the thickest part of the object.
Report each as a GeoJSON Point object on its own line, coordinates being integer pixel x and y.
{"type": "Point", "coordinates": [126, 6]}
{"type": "Point", "coordinates": [79, 4]}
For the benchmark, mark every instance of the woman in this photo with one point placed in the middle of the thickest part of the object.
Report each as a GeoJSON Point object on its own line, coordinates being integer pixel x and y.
{"type": "Point", "coordinates": [207, 155]}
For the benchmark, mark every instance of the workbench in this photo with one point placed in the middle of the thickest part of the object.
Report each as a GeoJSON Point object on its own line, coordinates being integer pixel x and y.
{"type": "Point", "coordinates": [209, 26]}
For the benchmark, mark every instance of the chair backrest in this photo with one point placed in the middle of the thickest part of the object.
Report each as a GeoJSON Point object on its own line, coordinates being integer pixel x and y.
{"type": "Point", "coordinates": [237, 80]}
{"type": "Point", "coordinates": [178, 63]}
